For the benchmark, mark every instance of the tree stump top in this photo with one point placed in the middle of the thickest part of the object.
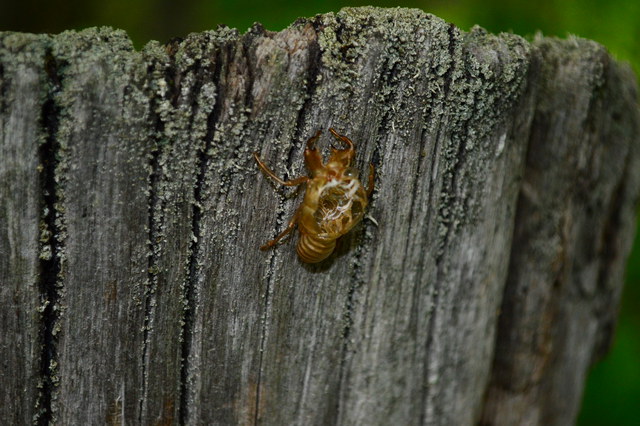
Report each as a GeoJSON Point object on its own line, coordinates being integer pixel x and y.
{"type": "Point", "coordinates": [482, 284]}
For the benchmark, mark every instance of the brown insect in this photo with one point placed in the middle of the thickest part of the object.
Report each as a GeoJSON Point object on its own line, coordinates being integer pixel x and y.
{"type": "Point", "coordinates": [334, 202]}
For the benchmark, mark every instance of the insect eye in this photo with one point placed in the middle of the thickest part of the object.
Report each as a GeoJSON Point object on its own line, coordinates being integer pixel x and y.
{"type": "Point", "coordinates": [351, 172]}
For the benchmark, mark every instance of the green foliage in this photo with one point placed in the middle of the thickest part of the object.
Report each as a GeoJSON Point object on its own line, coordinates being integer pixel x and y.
{"type": "Point", "coordinates": [613, 389]}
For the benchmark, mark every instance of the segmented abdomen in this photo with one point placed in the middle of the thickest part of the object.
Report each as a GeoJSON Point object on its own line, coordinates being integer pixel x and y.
{"type": "Point", "coordinates": [312, 249]}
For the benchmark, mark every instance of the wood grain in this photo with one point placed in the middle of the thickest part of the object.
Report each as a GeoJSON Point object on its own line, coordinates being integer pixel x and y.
{"type": "Point", "coordinates": [25, 238]}
{"type": "Point", "coordinates": [562, 293]}
{"type": "Point", "coordinates": [482, 284]}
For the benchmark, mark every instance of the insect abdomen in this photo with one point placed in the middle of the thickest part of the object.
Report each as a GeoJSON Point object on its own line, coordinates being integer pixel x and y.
{"type": "Point", "coordinates": [312, 249]}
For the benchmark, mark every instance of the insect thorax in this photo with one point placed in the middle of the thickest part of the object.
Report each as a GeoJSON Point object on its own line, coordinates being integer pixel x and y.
{"type": "Point", "coordinates": [341, 205]}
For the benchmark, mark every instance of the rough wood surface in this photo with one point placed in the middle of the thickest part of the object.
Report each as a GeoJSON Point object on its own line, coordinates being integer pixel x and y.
{"type": "Point", "coordinates": [569, 250]}
{"type": "Point", "coordinates": [480, 288]}
{"type": "Point", "coordinates": [24, 247]}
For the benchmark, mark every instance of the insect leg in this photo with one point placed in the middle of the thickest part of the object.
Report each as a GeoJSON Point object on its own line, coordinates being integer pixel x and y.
{"type": "Point", "coordinates": [293, 182]}
{"type": "Point", "coordinates": [344, 139]}
{"type": "Point", "coordinates": [312, 157]}
{"type": "Point", "coordinates": [372, 175]}
{"type": "Point", "coordinates": [289, 228]}
{"type": "Point", "coordinates": [311, 143]}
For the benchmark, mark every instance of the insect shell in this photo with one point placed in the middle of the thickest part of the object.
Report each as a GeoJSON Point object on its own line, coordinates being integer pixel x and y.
{"type": "Point", "coordinates": [334, 201]}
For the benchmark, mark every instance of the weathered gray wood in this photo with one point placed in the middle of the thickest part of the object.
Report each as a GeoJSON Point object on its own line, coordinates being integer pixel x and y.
{"type": "Point", "coordinates": [24, 241]}
{"type": "Point", "coordinates": [578, 195]}
{"type": "Point", "coordinates": [101, 181]}
{"type": "Point", "coordinates": [164, 311]}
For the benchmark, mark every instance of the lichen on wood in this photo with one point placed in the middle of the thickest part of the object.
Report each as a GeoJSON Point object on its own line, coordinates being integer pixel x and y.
{"type": "Point", "coordinates": [480, 289]}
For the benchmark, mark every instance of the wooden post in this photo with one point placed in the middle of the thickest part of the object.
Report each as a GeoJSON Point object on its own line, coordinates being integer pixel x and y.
{"type": "Point", "coordinates": [482, 284]}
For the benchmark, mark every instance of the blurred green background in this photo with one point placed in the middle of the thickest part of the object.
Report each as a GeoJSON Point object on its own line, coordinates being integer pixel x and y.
{"type": "Point", "coordinates": [613, 391]}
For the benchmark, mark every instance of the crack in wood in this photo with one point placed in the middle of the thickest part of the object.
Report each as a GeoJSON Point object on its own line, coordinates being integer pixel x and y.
{"type": "Point", "coordinates": [3, 91]}
{"type": "Point", "coordinates": [280, 219]}
{"type": "Point", "coordinates": [313, 69]}
{"type": "Point", "coordinates": [449, 175]}
{"type": "Point", "coordinates": [154, 225]}
{"type": "Point", "coordinates": [51, 246]}
{"type": "Point", "coordinates": [190, 286]}
{"type": "Point", "coordinates": [355, 281]}
{"type": "Point", "coordinates": [246, 44]}
{"type": "Point", "coordinates": [448, 78]}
